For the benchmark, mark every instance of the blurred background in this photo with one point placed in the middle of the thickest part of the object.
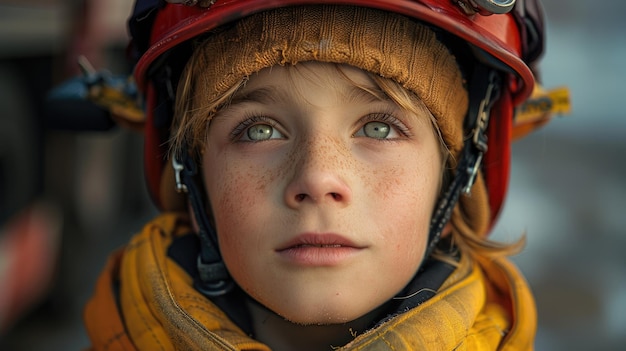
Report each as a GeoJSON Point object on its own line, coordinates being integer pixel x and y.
{"type": "Point", "coordinates": [67, 199]}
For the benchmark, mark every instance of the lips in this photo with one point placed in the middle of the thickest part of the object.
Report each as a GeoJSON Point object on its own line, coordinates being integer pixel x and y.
{"type": "Point", "coordinates": [318, 249]}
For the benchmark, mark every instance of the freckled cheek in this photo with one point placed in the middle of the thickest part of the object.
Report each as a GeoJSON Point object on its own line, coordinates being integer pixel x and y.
{"type": "Point", "coordinates": [232, 193]}
{"type": "Point", "coordinates": [239, 195]}
{"type": "Point", "coordinates": [404, 197]}
{"type": "Point", "coordinates": [409, 185]}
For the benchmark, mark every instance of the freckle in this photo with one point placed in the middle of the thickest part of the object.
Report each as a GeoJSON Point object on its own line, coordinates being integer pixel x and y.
{"type": "Point", "coordinates": [261, 182]}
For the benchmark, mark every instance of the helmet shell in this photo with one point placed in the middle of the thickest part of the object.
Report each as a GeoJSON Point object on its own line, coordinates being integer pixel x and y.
{"type": "Point", "coordinates": [498, 35]}
{"type": "Point", "coordinates": [509, 42]}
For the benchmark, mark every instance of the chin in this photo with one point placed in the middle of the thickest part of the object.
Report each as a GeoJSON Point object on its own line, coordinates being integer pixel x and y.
{"type": "Point", "coordinates": [318, 321]}
{"type": "Point", "coordinates": [318, 316]}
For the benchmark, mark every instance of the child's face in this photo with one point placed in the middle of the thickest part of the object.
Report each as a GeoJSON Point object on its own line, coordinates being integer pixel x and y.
{"type": "Point", "coordinates": [322, 193]}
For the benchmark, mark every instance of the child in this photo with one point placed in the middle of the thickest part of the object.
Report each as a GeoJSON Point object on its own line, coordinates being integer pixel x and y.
{"type": "Point", "coordinates": [335, 181]}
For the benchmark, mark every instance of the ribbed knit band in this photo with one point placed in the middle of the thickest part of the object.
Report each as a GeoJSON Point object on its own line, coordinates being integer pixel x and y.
{"type": "Point", "coordinates": [383, 43]}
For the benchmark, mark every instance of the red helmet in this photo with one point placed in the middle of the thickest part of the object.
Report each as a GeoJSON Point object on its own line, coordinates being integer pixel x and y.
{"type": "Point", "coordinates": [503, 34]}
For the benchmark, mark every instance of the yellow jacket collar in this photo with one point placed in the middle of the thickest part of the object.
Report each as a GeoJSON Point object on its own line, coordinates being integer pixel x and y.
{"type": "Point", "coordinates": [483, 305]}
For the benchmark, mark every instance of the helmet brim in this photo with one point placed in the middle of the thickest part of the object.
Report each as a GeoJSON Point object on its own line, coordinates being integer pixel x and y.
{"type": "Point", "coordinates": [495, 38]}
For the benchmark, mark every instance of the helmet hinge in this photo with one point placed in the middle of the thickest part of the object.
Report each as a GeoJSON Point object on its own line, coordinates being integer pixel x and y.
{"type": "Point", "coordinates": [485, 7]}
{"type": "Point", "coordinates": [479, 137]}
{"type": "Point", "coordinates": [178, 168]}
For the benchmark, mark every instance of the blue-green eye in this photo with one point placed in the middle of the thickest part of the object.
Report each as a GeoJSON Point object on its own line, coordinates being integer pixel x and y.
{"type": "Point", "coordinates": [261, 132]}
{"type": "Point", "coordinates": [376, 130]}
{"type": "Point", "coordinates": [381, 126]}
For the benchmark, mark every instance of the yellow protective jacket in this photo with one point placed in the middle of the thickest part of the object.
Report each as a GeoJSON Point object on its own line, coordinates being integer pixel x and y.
{"type": "Point", "coordinates": [145, 301]}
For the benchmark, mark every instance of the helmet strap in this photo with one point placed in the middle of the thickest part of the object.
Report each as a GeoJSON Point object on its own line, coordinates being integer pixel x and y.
{"type": "Point", "coordinates": [484, 91]}
{"type": "Point", "coordinates": [213, 279]}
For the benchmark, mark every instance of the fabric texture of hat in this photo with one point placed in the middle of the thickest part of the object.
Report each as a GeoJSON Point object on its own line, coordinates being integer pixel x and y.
{"type": "Point", "coordinates": [383, 43]}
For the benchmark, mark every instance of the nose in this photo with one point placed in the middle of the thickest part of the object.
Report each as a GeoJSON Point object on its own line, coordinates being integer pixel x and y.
{"type": "Point", "coordinates": [319, 175]}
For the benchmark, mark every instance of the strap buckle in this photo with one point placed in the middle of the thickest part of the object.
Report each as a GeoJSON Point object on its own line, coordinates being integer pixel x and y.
{"type": "Point", "coordinates": [213, 279]}
{"type": "Point", "coordinates": [479, 137]}
{"type": "Point", "coordinates": [178, 168]}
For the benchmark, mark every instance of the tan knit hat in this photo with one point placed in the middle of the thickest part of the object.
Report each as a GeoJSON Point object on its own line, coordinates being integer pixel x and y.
{"type": "Point", "coordinates": [383, 43]}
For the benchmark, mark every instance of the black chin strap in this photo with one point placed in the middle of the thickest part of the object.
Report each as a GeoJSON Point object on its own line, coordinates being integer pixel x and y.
{"type": "Point", "coordinates": [213, 279]}
{"type": "Point", "coordinates": [483, 93]}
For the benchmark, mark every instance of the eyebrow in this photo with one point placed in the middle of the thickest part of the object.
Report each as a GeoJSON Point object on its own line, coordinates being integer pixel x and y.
{"type": "Point", "coordinates": [264, 95]}
{"type": "Point", "coordinates": [270, 94]}
{"type": "Point", "coordinates": [355, 94]}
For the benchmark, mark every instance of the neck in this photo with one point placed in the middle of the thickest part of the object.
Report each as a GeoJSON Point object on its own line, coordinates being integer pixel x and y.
{"type": "Point", "coordinates": [282, 335]}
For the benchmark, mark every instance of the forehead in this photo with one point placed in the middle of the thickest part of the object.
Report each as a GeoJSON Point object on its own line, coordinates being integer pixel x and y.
{"type": "Point", "coordinates": [279, 83]}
